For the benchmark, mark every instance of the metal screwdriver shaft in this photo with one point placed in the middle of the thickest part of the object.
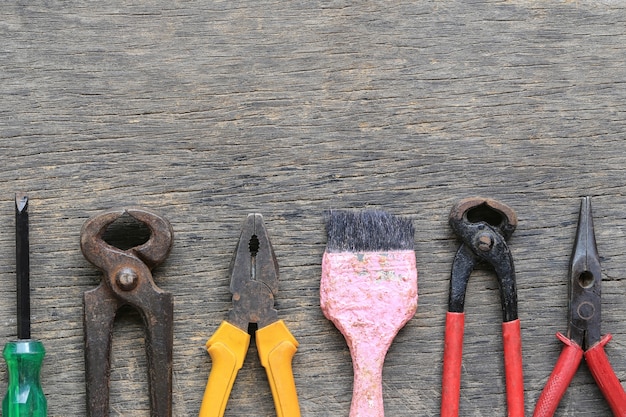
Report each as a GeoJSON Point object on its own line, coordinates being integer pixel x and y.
{"type": "Point", "coordinates": [22, 267]}
{"type": "Point", "coordinates": [24, 397]}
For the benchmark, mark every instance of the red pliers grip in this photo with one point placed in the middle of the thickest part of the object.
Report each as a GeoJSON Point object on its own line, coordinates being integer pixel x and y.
{"type": "Point", "coordinates": [483, 225]}
{"type": "Point", "coordinates": [583, 327]}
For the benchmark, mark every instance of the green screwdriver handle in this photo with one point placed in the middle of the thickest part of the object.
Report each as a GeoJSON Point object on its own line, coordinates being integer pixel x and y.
{"type": "Point", "coordinates": [24, 396]}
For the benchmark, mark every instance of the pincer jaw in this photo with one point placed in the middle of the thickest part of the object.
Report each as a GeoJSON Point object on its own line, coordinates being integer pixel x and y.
{"type": "Point", "coordinates": [483, 225]}
{"type": "Point", "coordinates": [492, 212]}
{"type": "Point", "coordinates": [97, 251]}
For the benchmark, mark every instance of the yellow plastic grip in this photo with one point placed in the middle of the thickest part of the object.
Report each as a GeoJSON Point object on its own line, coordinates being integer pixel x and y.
{"type": "Point", "coordinates": [276, 348]}
{"type": "Point", "coordinates": [227, 347]}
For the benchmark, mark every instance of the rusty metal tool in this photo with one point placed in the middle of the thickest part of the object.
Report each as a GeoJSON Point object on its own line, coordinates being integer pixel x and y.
{"type": "Point", "coordinates": [583, 331]}
{"type": "Point", "coordinates": [253, 283]}
{"type": "Point", "coordinates": [483, 225]}
{"type": "Point", "coordinates": [127, 282]}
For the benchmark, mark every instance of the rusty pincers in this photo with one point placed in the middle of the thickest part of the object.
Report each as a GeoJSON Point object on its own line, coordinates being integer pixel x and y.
{"type": "Point", "coordinates": [127, 282]}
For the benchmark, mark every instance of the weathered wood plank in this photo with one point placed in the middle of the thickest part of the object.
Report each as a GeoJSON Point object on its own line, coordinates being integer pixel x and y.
{"type": "Point", "coordinates": [206, 111]}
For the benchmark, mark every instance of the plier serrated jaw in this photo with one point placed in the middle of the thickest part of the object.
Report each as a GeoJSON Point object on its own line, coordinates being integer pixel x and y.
{"type": "Point", "coordinates": [254, 276]}
{"type": "Point", "coordinates": [254, 258]}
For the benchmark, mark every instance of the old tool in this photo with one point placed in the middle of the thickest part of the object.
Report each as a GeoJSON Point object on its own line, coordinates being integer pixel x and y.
{"type": "Point", "coordinates": [368, 289]}
{"type": "Point", "coordinates": [583, 329]}
{"type": "Point", "coordinates": [127, 281]}
{"type": "Point", "coordinates": [253, 283]}
{"type": "Point", "coordinates": [24, 397]}
{"type": "Point", "coordinates": [483, 225]}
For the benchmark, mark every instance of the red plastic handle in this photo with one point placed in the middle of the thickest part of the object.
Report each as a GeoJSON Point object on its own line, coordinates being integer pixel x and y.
{"type": "Point", "coordinates": [452, 356]}
{"type": "Point", "coordinates": [605, 377]}
{"type": "Point", "coordinates": [512, 340]}
{"type": "Point", "coordinates": [559, 379]}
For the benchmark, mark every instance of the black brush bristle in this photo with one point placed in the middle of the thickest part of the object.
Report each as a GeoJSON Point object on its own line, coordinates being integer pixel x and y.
{"type": "Point", "coordinates": [367, 231]}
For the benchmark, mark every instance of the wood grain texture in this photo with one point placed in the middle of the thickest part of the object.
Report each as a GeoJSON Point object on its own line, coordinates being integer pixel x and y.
{"type": "Point", "coordinates": [206, 111]}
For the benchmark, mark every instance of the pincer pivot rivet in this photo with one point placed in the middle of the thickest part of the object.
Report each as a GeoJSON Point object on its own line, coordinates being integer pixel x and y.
{"type": "Point", "coordinates": [126, 279]}
{"type": "Point", "coordinates": [485, 242]}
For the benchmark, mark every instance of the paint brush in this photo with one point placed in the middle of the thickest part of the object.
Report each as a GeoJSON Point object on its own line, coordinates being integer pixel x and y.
{"type": "Point", "coordinates": [369, 291]}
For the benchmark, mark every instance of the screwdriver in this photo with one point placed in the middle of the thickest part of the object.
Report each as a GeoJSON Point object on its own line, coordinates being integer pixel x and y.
{"type": "Point", "coordinates": [24, 397]}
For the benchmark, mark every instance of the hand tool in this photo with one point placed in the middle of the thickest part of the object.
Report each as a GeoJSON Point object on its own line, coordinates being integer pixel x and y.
{"type": "Point", "coordinates": [583, 329]}
{"type": "Point", "coordinates": [24, 397]}
{"type": "Point", "coordinates": [368, 290]}
{"type": "Point", "coordinates": [483, 225]}
{"type": "Point", "coordinates": [127, 282]}
{"type": "Point", "coordinates": [253, 283]}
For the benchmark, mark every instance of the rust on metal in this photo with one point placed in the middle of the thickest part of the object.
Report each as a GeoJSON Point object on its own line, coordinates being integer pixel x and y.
{"type": "Point", "coordinates": [483, 225]}
{"type": "Point", "coordinates": [127, 281]}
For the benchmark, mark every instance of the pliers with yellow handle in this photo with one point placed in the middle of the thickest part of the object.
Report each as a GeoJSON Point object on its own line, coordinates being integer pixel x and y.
{"type": "Point", "coordinates": [254, 282]}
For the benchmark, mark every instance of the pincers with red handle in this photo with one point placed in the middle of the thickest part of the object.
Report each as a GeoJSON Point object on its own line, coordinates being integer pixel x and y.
{"type": "Point", "coordinates": [583, 330]}
{"type": "Point", "coordinates": [483, 225]}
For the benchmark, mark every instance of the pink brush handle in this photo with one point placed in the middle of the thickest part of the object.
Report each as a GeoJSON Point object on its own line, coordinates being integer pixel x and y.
{"type": "Point", "coordinates": [369, 297]}
{"type": "Point", "coordinates": [367, 395]}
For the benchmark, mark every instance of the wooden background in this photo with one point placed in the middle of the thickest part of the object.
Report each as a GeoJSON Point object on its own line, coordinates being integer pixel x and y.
{"type": "Point", "coordinates": [208, 110]}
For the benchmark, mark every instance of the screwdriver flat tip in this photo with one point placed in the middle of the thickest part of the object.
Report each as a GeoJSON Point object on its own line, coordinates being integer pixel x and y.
{"type": "Point", "coordinates": [21, 202]}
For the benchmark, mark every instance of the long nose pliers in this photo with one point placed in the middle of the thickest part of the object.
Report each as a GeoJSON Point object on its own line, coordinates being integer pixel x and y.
{"type": "Point", "coordinates": [583, 330]}
{"type": "Point", "coordinates": [254, 282]}
{"type": "Point", "coordinates": [483, 225]}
